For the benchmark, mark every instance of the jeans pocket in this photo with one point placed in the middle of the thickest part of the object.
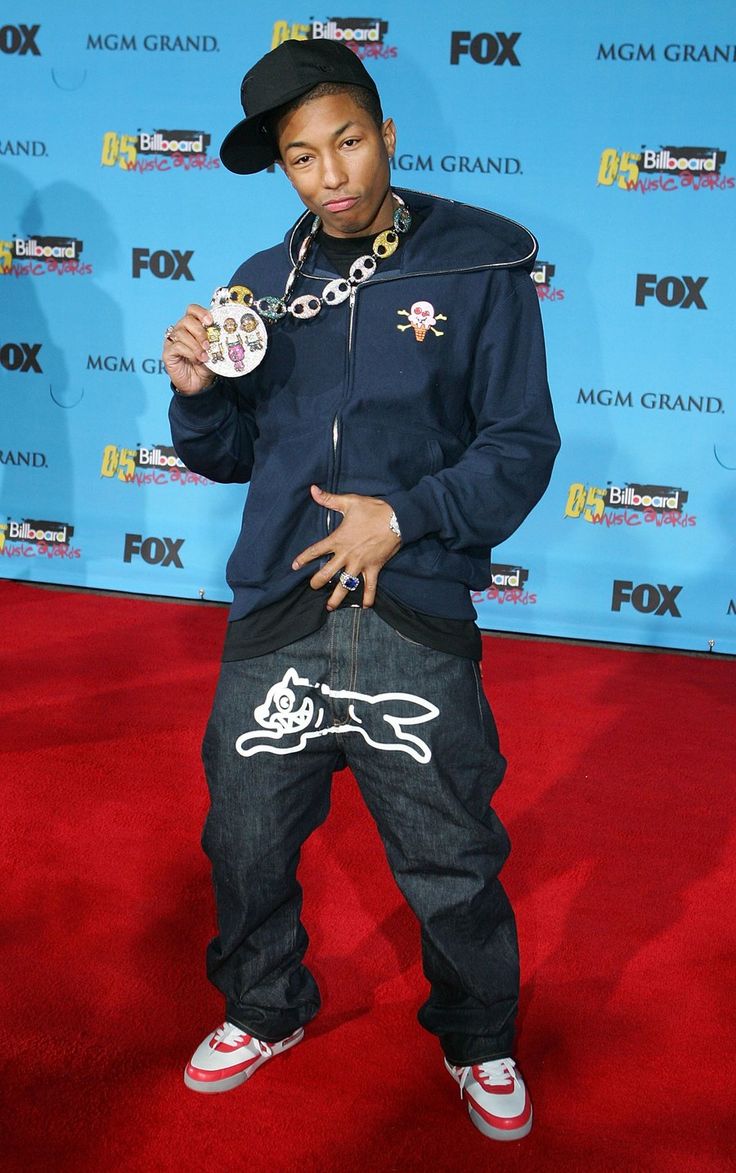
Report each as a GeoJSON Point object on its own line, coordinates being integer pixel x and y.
{"type": "Point", "coordinates": [413, 643]}
{"type": "Point", "coordinates": [480, 696]}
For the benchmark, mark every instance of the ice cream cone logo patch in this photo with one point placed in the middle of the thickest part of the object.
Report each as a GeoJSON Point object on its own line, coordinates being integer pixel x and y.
{"type": "Point", "coordinates": [421, 318]}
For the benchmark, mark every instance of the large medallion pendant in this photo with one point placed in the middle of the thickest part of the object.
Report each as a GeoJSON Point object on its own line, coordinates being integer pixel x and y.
{"type": "Point", "coordinates": [237, 338]}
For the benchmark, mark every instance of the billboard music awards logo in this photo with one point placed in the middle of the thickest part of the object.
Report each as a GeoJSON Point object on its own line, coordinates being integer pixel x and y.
{"type": "Point", "coordinates": [508, 585]}
{"type": "Point", "coordinates": [664, 169]}
{"type": "Point", "coordinates": [542, 275]}
{"type": "Point", "coordinates": [629, 504]}
{"type": "Point", "coordinates": [33, 538]}
{"type": "Point", "coordinates": [363, 34]}
{"type": "Point", "coordinates": [158, 150]}
{"type": "Point", "coordinates": [36, 256]}
{"type": "Point", "coordinates": [157, 465]}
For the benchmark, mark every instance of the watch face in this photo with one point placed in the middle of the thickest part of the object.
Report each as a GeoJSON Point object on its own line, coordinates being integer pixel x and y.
{"type": "Point", "coordinates": [237, 338]}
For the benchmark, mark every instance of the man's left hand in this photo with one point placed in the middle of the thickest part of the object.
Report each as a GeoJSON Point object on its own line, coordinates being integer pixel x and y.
{"type": "Point", "coordinates": [360, 545]}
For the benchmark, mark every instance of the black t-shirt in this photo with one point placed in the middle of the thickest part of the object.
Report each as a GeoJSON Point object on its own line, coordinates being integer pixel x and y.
{"type": "Point", "coordinates": [303, 610]}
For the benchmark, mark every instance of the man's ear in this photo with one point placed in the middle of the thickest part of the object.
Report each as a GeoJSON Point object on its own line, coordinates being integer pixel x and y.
{"type": "Point", "coordinates": [388, 134]}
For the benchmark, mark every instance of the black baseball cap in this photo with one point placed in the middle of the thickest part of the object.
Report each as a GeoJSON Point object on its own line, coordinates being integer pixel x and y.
{"type": "Point", "coordinates": [284, 74]}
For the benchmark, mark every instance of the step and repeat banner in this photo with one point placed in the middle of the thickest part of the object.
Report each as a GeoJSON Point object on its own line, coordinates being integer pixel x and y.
{"type": "Point", "coordinates": [607, 129]}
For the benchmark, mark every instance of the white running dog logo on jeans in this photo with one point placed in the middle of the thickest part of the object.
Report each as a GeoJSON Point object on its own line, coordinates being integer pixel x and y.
{"type": "Point", "coordinates": [286, 721]}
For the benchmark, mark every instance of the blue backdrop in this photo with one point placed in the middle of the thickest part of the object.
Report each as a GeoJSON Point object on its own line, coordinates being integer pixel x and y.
{"type": "Point", "coordinates": [606, 129]}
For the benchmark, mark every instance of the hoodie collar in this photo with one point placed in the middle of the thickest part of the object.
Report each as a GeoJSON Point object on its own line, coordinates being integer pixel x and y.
{"type": "Point", "coordinates": [450, 237]}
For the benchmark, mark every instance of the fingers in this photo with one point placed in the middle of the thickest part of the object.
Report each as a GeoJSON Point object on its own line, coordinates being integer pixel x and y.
{"type": "Point", "coordinates": [336, 598]}
{"type": "Point", "coordinates": [186, 351]}
{"type": "Point", "coordinates": [370, 583]}
{"type": "Point", "coordinates": [318, 550]}
{"type": "Point", "coordinates": [188, 337]}
{"type": "Point", "coordinates": [192, 323]}
{"type": "Point", "coordinates": [325, 573]}
{"type": "Point", "coordinates": [337, 501]}
{"type": "Point", "coordinates": [360, 545]}
{"type": "Point", "coordinates": [340, 592]}
{"type": "Point", "coordinates": [331, 571]}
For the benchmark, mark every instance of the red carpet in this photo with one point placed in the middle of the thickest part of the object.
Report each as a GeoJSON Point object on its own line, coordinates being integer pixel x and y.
{"type": "Point", "coordinates": [619, 800]}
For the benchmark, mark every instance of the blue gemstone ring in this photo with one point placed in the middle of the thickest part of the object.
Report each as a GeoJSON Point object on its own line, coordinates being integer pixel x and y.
{"type": "Point", "coordinates": [349, 581]}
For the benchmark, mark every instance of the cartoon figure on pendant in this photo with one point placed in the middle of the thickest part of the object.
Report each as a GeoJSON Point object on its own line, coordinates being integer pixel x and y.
{"type": "Point", "coordinates": [217, 354]}
{"type": "Point", "coordinates": [249, 326]}
{"type": "Point", "coordinates": [421, 318]}
{"type": "Point", "coordinates": [235, 349]}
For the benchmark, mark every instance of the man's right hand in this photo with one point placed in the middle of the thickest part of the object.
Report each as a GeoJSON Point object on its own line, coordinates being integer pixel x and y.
{"type": "Point", "coordinates": [185, 351]}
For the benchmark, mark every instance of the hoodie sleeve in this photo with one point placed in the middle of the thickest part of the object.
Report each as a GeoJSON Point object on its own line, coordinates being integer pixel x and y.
{"type": "Point", "coordinates": [214, 432]}
{"type": "Point", "coordinates": [500, 477]}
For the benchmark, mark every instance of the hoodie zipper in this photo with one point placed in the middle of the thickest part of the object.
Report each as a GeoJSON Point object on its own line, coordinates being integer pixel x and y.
{"type": "Point", "coordinates": [335, 442]}
{"type": "Point", "coordinates": [336, 418]}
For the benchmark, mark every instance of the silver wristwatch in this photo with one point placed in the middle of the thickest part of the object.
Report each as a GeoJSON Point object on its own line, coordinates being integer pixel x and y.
{"type": "Point", "coordinates": [393, 525]}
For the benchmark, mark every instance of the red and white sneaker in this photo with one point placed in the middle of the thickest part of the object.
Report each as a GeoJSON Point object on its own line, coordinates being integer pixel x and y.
{"type": "Point", "coordinates": [229, 1056]}
{"type": "Point", "coordinates": [498, 1102]}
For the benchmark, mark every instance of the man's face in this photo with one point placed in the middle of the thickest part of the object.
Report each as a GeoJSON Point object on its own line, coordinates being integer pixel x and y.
{"type": "Point", "coordinates": [338, 161]}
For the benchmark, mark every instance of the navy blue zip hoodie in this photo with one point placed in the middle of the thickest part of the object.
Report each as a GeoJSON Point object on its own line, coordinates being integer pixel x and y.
{"type": "Point", "coordinates": [440, 408]}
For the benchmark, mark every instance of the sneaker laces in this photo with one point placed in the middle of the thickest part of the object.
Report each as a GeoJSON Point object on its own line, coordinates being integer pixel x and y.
{"type": "Point", "coordinates": [496, 1072]}
{"type": "Point", "coordinates": [230, 1035]}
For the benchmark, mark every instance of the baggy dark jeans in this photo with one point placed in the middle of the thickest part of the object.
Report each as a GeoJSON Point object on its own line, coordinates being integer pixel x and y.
{"type": "Point", "coordinates": [414, 726]}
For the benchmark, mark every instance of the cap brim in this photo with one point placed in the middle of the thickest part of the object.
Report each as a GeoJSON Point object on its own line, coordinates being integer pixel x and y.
{"type": "Point", "coordinates": [247, 148]}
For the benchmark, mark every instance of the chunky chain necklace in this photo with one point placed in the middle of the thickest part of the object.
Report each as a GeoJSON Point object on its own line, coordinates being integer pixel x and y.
{"type": "Point", "coordinates": [308, 305]}
{"type": "Point", "coordinates": [237, 339]}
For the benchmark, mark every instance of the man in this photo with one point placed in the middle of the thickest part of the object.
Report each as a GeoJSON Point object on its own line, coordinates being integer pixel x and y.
{"type": "Point", "coordinates": [395, 424]}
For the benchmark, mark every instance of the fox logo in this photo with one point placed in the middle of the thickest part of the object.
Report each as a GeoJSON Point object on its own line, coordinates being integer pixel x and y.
{"type": "Point", "coordinates": [294, 711]}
